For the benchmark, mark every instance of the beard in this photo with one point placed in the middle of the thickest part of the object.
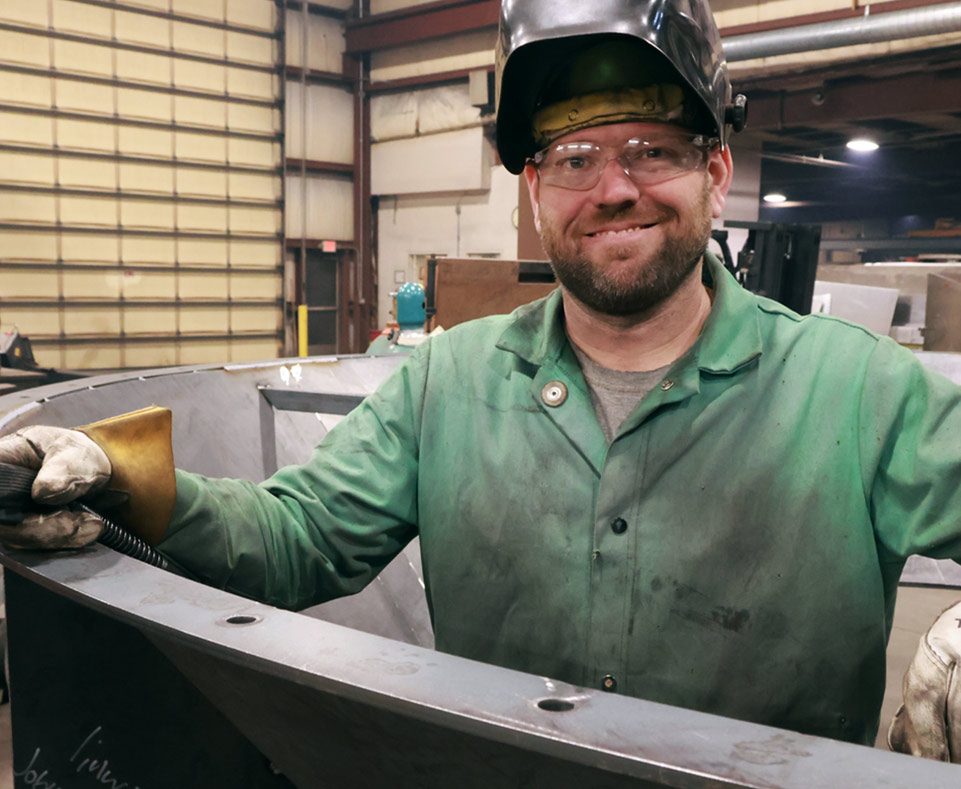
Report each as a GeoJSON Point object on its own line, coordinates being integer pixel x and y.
{"type": "Point", "coordinates": [620, 284]}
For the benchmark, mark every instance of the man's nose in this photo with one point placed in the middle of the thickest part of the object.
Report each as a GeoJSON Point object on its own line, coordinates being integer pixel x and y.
{"type": "Point", "coordinates": [615, 186]}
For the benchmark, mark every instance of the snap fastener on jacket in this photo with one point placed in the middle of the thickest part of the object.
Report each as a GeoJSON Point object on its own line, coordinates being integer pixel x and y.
{"type": "Point", "coordinates": [554, 393]}
{"type": "Point", "coordinates": [609, 683]}
{"type": "Point", "coordinates": [668, 384]}
{"type": "Point", "coordinates": [618, 525]}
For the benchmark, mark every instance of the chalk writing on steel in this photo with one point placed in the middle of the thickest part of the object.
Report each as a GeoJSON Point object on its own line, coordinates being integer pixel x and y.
{"type": "Point", "coordinates": [81, 762]}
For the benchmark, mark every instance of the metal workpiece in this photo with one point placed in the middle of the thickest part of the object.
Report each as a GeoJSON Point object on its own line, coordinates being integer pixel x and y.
{"type": "Point", "coordinates": [120, 667]}
{"type": "Point", "coordinates": [326, 703]}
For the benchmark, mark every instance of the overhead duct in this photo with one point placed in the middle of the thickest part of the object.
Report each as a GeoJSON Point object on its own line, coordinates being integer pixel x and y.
{"type": "Point", "coordinates": [867, 29]}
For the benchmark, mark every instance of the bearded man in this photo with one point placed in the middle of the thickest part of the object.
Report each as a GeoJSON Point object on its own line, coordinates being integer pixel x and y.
{"type": "Point", "coordinates": [650, 482]}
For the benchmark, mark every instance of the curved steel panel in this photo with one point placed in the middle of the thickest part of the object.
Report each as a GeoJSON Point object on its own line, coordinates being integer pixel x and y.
{"type": "Point", "coordinates": [327, 702]}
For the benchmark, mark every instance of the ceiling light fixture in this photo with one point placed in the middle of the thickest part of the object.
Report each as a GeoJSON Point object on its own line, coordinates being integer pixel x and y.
{"type": "Point", "coordinates": [774, 197]}
{"type": "Point", "coordinates": [862, 145]}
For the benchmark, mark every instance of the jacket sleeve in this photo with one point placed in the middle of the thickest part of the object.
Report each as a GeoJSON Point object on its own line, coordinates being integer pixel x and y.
{"type": "Point", "coordinates": [910, 434]}
{"type": "Point", "coordinates": [318, 531]}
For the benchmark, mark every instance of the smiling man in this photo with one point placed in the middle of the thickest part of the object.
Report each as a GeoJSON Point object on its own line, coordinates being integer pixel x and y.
{"type": "Point", "coordinates": [650, 482]}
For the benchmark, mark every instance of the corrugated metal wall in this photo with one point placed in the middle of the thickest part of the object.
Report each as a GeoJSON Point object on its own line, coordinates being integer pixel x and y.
{"type": "Point", "coordinates": [140, 180]}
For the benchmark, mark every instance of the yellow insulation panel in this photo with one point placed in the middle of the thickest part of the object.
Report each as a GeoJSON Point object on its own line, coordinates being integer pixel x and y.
{"type": "Point", "coordinates": [127, 267]}
{"type": "Point", "coordinates": [25, 49]}
{"type": "Point", "coordinates": [26, 89]}
{"type": "Point", "coordinates": [33, 321]}
{"type": "Point", "coordinates": [22, 129]}
{"type": "Point", "coordinates": [75, 18]}
{"type": "Point", "coordinates": [84, 173]}
{"type": "Point", "coordinates": [92, 284]}
{"type": "Point", "coordinates": [252, 350]}
{"type": "Point", "coordinates": [89, 247]}
{"type": "Point", "coordinates": [150, 319]}
{"type": "Point", "coordinates": [89, 357]}
{"type": "Point", "coordinates": [31, 246]}
{"type": "Point", "coordinates": [255, 319]}
{"type": "Point", "coordinates": [134, 284]}
{"type": "Point", "coordinates": [202, 285]}
{"type": "Point", "coordinates": [204, 320]}
{"type": "Point", "coordinates": [255, 253]}
{"type": "Point", "coordinates": [146, 250]}
{"type": "Point", "coordinates": [251, 285]}
{"type": "Point", "coordinates": [26, 284]}
{"type": "Point", "coordinates": [26, 168]}
{"type": "Point", "coordinates": [28, 13]}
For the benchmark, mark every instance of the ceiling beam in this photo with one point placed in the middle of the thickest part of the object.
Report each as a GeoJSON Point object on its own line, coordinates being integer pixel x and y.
{"type": "Point", "coordinates": [420, 22]}
{"type": "Point", "coordinates": [895, 96]}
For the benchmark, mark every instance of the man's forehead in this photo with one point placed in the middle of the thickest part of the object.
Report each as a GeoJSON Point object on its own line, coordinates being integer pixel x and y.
{"type": "Point", "coordinates": [621, 132]}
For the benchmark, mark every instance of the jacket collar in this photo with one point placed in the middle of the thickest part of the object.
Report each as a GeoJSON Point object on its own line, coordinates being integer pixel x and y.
{"type": "Point", "coordinates": [730, 339]}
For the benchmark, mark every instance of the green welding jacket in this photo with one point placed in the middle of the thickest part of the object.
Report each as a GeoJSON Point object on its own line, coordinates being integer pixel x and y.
{"type": "Point", "coordinates": [735, 549]}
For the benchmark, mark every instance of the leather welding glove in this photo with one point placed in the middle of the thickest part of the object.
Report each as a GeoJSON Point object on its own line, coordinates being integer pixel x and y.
{"type": "Point", "coordinates": [68, 465]}
{"type": "Point", "coordinates": [928, 723]}
{"type": "Point", "coordinates": [126, 460]}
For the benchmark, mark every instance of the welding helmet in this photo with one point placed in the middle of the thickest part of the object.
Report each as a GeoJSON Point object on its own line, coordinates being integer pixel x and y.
{"type": "Point", "coordinates": [621, 60]}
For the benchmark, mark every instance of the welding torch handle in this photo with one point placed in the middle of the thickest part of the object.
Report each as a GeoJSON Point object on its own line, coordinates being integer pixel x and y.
{"type": "Point", "coordinates": [15, 484]}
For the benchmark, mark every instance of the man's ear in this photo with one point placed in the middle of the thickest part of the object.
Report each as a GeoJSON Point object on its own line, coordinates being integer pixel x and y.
{"type": "Point", "coordinates": [720, 170]}
{"type": "Point", "coordinates": [534, 190]}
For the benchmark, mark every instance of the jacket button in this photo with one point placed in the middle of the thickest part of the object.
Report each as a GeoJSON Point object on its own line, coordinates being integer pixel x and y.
{"type": "Point", "coordinates": [668, 384]}
{"type": "Point", "coordinates": [609, 683]}
{"type": "Point", "coordinates": [554, 393]}
{"type": "Point", "coordinates": [618, 525]}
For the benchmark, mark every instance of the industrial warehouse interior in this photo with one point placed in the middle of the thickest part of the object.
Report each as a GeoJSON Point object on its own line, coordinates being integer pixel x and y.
{"type": "Point", "coordinates": [252, 212]}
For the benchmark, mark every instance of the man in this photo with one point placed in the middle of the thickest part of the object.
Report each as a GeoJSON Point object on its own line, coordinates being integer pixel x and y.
{"type": "Point", "coordinates": [650, 482]}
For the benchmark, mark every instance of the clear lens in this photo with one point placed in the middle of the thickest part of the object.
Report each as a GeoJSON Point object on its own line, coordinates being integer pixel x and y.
{"type": "Point", "coordinates": [578, 165]}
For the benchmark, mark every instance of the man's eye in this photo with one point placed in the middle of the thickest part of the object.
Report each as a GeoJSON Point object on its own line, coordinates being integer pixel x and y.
{"type": "Point", "coordinates": [572, 163]}
{"type": "Point", "coordinates": [651, 154]}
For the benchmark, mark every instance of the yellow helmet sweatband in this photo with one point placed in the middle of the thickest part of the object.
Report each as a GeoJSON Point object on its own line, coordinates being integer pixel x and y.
{"type": "Point", "coordinates": [658, 103]}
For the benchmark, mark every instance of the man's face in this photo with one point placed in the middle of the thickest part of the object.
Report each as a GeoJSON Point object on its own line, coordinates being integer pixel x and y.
{"type": "Point", "coordinates": [621, 248]}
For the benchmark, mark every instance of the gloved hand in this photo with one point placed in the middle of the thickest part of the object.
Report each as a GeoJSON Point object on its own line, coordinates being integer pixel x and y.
{"type": "Point", "coordinates": [69, 465]}
{"type": "Point", "coordinates": [928, 723]}
{"type": "Point", "coordinates": [132, 451]}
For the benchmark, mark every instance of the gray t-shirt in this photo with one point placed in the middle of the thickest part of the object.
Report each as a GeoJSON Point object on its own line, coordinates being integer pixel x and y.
{"type": "Point", "coordinates": [615, 393]}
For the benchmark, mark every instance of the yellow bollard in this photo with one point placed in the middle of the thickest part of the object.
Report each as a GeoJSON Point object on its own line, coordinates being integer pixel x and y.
{"type": "Point", "coordinates": [301, 329]}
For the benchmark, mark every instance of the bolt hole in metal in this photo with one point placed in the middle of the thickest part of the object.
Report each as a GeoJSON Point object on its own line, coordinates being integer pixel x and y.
{"type": "Point", "coordinates": [556, 705]}
{"type": "Point", "coordinates": [242, 619]}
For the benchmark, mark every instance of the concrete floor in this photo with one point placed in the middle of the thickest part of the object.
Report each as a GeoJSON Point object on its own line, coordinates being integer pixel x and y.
{"type": "Point", "coordinates": [916, 609]}
{"type": "Point", "coordinates": [6, 749]}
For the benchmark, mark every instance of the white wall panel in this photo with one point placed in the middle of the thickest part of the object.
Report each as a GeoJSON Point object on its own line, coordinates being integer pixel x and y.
{"type": "Point", "coordinates": [454, 225]}
{"type": "Point", "coordinates": [330, 208]}
{"type": "Point", "coordinates": [451, 53]}
{"type": "Point", "coordinates": [385, 6]}
{"type": "Point", "coordinates": [447, 162]}
{"type": "Point", "coordinates": [325, 42]}
{"type": "Point", "coordinates": [421, 111]}
{"type": "Point", "coordinates": [393, 115]}
{"type": "Point", "coordinates": [330, 129]}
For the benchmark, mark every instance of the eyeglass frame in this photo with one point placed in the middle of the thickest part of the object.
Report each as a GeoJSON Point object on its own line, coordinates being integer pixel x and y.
{"type": "Point", "coordinates": [703, 143]}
